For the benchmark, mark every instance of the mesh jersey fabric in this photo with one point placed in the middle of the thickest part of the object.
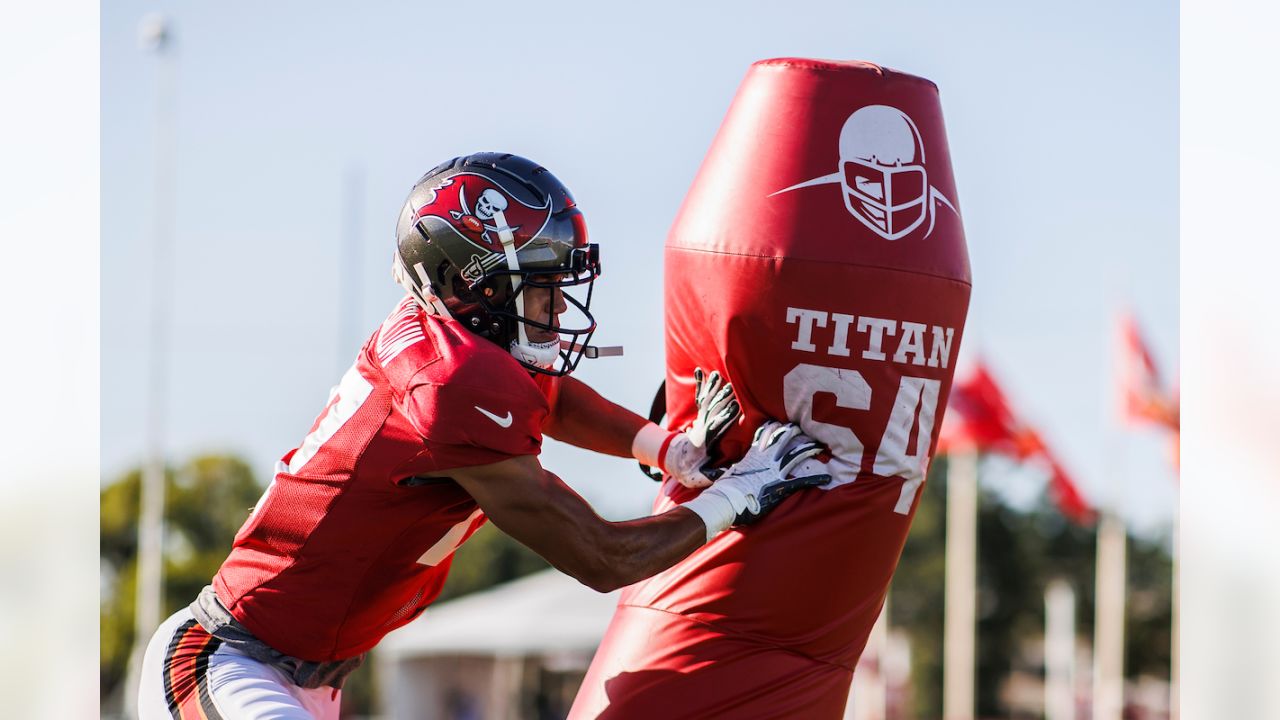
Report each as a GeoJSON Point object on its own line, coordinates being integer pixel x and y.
{"type": "Point", "coordinates": [355, 534]}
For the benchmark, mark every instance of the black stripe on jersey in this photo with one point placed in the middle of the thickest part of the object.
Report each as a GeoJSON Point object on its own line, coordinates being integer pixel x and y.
{"type": "Point", "coordinates": [202, 679]}
{"type": "Point", "coordinates": [166, 667]}
{"type": "Point", "coordinates": [420, 480]}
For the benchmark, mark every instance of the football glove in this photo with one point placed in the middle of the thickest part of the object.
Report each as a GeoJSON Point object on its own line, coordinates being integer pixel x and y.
{"type": "Point", "coordinates": [718, 409]}
{"type": "Point", "coordinates": [683, 455]}
{"type": "Point", "coordinates": [762, 479]}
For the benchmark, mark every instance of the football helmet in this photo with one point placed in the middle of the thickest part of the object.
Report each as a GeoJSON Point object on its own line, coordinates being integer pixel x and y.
{"type": "Point", "coordinates": [477, 231]}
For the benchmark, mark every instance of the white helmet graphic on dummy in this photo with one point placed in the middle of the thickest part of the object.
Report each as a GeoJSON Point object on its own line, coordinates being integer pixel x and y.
{"type": "Point", "coordinates": [882, 173]}
{"type": "Point", "coordinates": [882, 170]}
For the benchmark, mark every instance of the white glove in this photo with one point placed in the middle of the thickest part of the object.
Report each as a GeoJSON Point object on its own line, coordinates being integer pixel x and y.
{"type": "Point", "coordinates": [758, 482]}
{"type": "Point", "coordinates": [683, 454]}
{"type": "Point", "coordinates": [717, 409]}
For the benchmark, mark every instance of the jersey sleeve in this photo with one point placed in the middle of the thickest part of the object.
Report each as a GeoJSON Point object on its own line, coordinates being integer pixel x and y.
{"type": "Point", "coordinates": [476, 418]}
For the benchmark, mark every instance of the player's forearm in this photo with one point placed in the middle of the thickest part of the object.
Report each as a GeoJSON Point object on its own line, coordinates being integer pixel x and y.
{"type": "Point", "coordinates": [539, 510]}
{"type": "Point", "coordinates": [586, 419]}
{"type": "Point", "coordinates": [607, 555]}
{"type": "Point", "coordinates": [642, 548]}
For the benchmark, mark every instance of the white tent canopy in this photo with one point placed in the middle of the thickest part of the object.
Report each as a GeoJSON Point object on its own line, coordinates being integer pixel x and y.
{"type": "Point", "coordinates": [546, 612]}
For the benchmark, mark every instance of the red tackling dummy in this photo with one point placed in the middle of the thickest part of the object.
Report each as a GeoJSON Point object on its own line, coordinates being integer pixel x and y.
{"type": "Point", "coordinates": [819, 263]}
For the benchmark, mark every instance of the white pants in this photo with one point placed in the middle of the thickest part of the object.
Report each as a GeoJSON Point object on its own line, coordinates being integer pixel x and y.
{"type": "Point", "coordinates": [189, 674]}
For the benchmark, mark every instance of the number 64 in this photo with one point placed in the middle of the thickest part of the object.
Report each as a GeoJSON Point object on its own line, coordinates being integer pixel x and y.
{"type": "Point", "coordinates": [916, 397]}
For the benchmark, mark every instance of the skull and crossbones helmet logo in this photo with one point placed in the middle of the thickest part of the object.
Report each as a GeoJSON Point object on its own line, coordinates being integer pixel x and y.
{"type": "Point", "coordinates": [882, 173]}
{"type": "Point", "coordinates": [489, 202]}
{"type": "Point", "coordinates": [489, 207]}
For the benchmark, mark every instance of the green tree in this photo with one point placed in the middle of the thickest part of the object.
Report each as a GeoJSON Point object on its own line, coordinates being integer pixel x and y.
{"type": "Point", "coordinates": [206, 500]}
{"type": "Point", "coordinates": [916, 593]}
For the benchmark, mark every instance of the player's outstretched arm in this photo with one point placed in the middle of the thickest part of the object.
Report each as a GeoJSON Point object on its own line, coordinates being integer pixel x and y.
{"type": "Point", "coordinates": [584, 418]}
{"type": "Point", "coordinates": [539, 510]}
{"type": "Point", "coordinates": [536, 508]}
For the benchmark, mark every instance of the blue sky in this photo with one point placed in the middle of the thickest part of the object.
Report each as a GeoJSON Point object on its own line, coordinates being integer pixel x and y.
{"type": "Point", "coordinates": [1062, 123]}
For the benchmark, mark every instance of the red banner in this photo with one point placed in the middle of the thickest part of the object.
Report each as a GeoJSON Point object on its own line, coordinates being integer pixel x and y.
{"type": "Point", "coordinates": [981, 419]}
{"type": "Point", "coordinates": [1142, 394]}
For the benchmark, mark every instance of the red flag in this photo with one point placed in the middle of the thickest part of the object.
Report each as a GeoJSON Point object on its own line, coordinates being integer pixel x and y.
{"type": "Point", "coordinates": [1067, 494]}
{"type": "Point", "coordinates": [981, 419]}
{"type": "Point", "coordinates": [1142, 395]}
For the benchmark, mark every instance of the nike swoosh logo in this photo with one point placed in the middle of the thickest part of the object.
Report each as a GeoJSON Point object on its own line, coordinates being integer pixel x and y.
{"type": "Point", "coordinates": [502, 421]}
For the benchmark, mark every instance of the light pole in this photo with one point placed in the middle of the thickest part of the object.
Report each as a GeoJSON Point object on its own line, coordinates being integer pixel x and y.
{"type": "Point", "coordinates": [155, 35]}
{"type": "Point", "coordinates": [1108, 642]}
{"type": "Point", "coordinates": [959, 633]}
{"type": "Point", "coordinates": [1059, 651]}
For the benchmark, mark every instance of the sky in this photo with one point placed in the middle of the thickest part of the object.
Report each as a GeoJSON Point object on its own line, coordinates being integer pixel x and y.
{"type": "Point", "coordinates": [299, 129]}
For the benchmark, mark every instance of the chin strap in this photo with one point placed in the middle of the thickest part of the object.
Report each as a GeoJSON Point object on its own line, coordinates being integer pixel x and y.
{"type": "Point", "coordinates": [592, 351]}
{"type": "Point", "coordinates": [508, 240]}
{"type": "Point", "coordinates": [543, 355]}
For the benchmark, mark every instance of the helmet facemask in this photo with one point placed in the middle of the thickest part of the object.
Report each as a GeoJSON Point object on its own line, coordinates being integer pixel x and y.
{"type": "Point", "coordinates": [503, 294]}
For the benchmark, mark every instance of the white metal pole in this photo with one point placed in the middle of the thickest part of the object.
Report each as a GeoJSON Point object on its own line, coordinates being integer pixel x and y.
{"type": "Point", "coordinates": [1174, 713]}
{"type": "Point", "coordinates": [155, 35]}
{"type": "Point", "coordinates": [1108, 642]}
{"type": "Point", "coordinates": [961, 587]}
{"type": "Point", "coordinates": [1059, 651]}
{"type": "Point", "coordinates": [869, 697]}
{"type": "Point", "coordinates": [1109, 567]}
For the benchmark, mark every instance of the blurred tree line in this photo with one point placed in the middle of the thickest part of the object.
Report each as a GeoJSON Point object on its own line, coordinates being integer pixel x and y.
{"type": "Point", "coordinates": [209, 497]}
{"type": "Point", "coordinates": [1019, 553]}
{"type": "Point", "coordinates": [205, 501]}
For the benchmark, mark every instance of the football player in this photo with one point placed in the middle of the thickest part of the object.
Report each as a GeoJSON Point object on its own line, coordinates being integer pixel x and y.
{"type": "Point", "coordinates": [435, 429]}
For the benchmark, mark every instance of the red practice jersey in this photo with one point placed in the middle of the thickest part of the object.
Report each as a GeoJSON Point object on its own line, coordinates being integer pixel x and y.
{"type": "Point", "coordinates": [352, 539]}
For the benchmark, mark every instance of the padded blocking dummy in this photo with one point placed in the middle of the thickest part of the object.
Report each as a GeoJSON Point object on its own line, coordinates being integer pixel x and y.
{"type": "Point", "coordinates": [819, 263]}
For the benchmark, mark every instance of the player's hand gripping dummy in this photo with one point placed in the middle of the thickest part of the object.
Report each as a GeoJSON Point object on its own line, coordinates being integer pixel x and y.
{"type": "Point", "coordinates": [684, 454]}
{"type": "Point", "coordinates": [774, 467]}
{"type": "Point", "coordinates": [819, 264]}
